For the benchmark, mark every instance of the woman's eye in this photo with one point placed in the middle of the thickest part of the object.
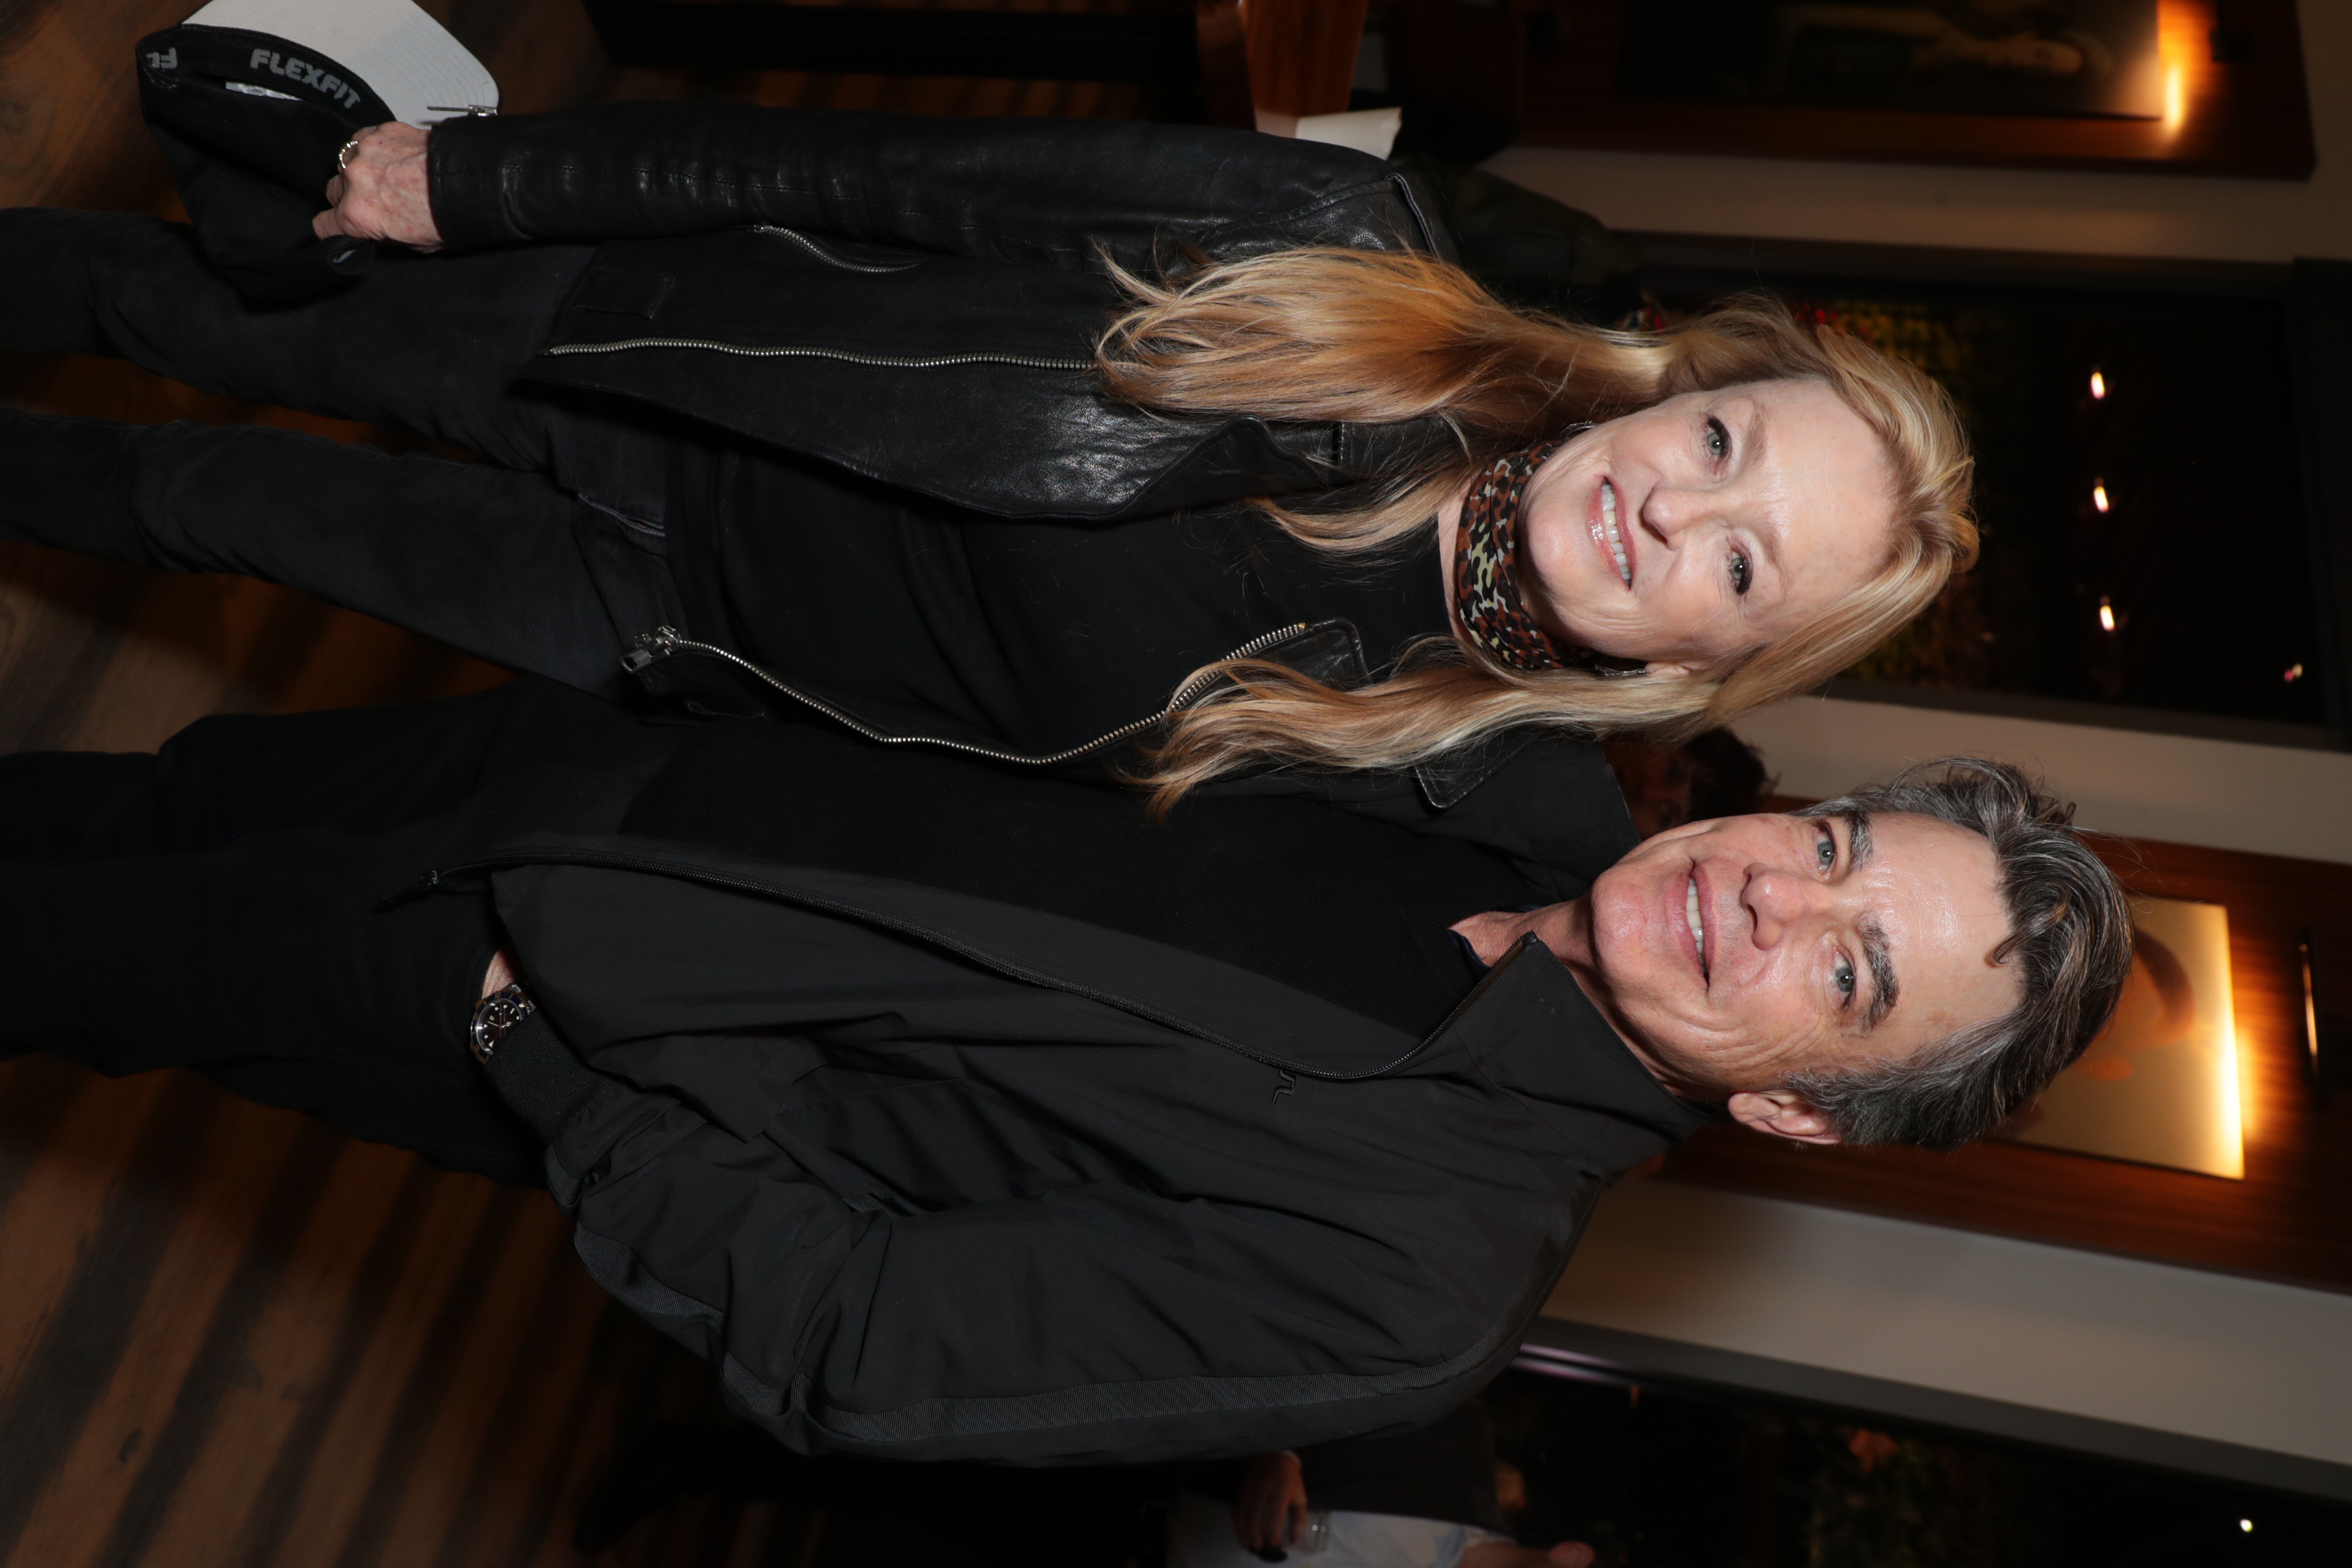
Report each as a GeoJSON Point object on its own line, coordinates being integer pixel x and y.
{"type": "Point", "coordinates": [1844, 976]}
{"type": "Point", "coordinates": [1718, 440]}
{"type": "Point", "coordinates": [1743, 575]}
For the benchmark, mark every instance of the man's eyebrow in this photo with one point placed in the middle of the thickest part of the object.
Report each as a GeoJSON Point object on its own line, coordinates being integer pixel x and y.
{"type": "Point", "coordinates": [1857, 839]}
{"type": "Point", "coordinates": [1883, 991]}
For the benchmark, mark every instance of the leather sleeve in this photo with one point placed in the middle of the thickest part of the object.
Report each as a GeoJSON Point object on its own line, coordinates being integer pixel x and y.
{"type": "Point", "coordinates": [1031, 191]}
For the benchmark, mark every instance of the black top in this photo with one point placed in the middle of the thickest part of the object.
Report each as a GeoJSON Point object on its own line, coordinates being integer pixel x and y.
{"type": "Point", "coordinates": [1045, 634]}
{"type": "Point", "coordinates": [1369, 930]}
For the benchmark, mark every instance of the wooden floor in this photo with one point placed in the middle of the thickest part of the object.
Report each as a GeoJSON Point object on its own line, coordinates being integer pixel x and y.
{"type": "Point", "coordinates": [226, 1335]}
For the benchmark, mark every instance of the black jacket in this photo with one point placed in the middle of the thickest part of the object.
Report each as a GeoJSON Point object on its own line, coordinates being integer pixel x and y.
{"type": "Point", "coordinates": [915, 299]}
{"type": "Point", "coordinates": [918, 299]}
{"type": "Point", "coordinates": [1067, 1159]}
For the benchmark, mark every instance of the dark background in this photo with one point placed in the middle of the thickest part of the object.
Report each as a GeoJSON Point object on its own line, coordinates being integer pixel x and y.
{"type": "Point", "coordinates": [1659, 1477]}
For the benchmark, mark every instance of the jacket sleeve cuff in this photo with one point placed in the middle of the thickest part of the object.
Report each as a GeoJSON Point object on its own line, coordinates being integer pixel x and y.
{"type": "Point", "coordinates": [464, 159]}
{"type": "Point", "coordinates": [540, 1077]}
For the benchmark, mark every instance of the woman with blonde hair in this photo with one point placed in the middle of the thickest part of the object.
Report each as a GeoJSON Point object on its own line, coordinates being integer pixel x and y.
{"type": "Point", "coordinates": [1187, 451]}
{"type": "Point", "coordinates": [1539, 411]}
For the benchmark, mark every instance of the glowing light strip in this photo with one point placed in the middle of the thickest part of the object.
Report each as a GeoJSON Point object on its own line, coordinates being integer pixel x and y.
{"type": "Point", "coordinates": [2231, 1089]}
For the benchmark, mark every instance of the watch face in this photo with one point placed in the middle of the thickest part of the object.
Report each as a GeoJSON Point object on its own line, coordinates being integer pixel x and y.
{"type": "Point", "coordinates": [495, 1017]}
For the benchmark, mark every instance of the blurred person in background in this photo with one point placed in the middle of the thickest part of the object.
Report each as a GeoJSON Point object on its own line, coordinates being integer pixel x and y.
{"type": "Point", "coordinates": [1428, 1498]}
{"type": "Point", "coordinates": [1714, 774]}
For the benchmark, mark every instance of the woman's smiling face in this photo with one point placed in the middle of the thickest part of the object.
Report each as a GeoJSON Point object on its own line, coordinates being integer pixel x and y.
{"type": "Point", "coordinates": [1711, 524]}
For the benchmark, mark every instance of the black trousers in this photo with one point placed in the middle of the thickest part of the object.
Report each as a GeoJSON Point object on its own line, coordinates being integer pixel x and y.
{"type": "Point", "coordinates": [548, 557]}
{"type": "Point", "coordinates": [219, 905]}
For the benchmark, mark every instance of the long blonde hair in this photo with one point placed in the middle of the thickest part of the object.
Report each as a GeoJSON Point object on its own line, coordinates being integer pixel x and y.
{"type": "Point", "coordinates": [1385, 337]}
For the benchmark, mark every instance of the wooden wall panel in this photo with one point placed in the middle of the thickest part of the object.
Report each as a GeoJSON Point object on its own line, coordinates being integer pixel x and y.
{"type": "Point", "coordinates": [2250, 117]}
{"type": "Point", "coordinates": [1302, 53]}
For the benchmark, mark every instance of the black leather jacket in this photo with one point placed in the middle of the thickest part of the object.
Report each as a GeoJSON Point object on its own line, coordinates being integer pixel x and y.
{"type": "Point", "coordinates": [918, 299]}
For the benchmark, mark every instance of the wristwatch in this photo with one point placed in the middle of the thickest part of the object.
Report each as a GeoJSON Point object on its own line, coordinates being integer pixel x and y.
{"type": "Point", "coordinates": [496, 1016]}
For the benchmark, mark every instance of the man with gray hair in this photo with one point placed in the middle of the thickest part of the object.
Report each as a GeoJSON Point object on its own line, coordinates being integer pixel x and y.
{"type": "Point", "coordinates": [2069, 944]}
{"type": "Point", "coordinates": [956, 1113]}
{"type": "Point", "coordinates": [1948, 1072]}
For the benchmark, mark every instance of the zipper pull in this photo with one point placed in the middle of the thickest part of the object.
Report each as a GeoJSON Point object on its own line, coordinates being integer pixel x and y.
{"type": "Point", "coordinates": [657, 644]}
{"type": "Point", "coordinates": [429, 882]}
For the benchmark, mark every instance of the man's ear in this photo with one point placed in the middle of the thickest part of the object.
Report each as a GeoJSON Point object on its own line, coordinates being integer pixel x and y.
{"type": "Point", "coordinates": [1783, 1113]}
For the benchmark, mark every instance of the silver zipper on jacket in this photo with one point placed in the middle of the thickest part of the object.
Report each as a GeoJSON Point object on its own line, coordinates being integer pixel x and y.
{"type": "Point", "coordinates": [828, 257]}
{"type": "Point", "coordinates": [886, 362]}
{"type": "Point", "coordinates": [663, 641]}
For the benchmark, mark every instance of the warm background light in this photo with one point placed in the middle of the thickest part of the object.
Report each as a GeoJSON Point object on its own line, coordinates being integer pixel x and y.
{"type": "Point", "coordinates": [2106, 614]}
{"type": "Point", "coordinates": [2099, 497]}
{"type": "Point", "coordinates": [2099, 384]}
{"type": "Point", "coordinates": [2236, 1109]}
{"type": "Point", "coordinates": [2181, 37]}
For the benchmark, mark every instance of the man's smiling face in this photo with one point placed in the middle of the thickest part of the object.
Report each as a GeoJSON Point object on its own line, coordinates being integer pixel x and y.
{"type": "Point", "coordinates": [1736, 951]}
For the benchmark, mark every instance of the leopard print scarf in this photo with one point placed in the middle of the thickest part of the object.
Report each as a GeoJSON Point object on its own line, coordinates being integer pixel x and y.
{"type": "Point", "coordinates": [1495, 619]}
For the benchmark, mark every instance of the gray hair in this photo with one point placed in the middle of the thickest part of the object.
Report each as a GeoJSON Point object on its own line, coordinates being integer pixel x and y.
{"type": "Point", "coordinates": [2070, 937]}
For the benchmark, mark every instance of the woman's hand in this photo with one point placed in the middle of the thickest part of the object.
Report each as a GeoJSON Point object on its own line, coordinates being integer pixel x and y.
{"type": "Point", "coordinates": [1272, 1507]}
{"type": "Point", "coordinates": [381, 192]}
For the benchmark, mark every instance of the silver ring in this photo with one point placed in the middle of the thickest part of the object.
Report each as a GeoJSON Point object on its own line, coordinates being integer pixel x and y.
{"type": "Point", "coordinates": [343, 158]}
